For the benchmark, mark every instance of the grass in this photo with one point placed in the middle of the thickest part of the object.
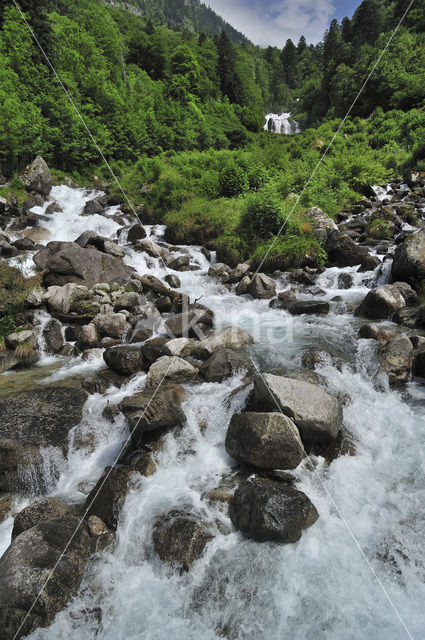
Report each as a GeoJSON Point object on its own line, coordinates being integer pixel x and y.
{"type": "Point", "coordinates": [14, 288]}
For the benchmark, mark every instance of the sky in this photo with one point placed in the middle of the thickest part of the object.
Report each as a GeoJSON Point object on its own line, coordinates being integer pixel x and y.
{"type": "Point", "coordinates": [274, 21]}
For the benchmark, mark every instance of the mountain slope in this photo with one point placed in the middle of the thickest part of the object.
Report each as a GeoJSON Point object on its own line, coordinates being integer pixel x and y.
{"type": "Point", "coordinates": [186, 14]}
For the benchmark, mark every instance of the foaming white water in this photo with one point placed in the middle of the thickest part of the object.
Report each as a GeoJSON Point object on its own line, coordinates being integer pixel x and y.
{"type": "Point", "coordinates": [239, 589]}
{"type": "Point", "coordinates": [281, 123]}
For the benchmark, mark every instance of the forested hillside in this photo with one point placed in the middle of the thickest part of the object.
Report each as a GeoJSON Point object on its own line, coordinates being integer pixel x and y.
{"type": "Point", "coordinates": [184, 14]}
{"type": "Point", "coordinates": [181, 114]}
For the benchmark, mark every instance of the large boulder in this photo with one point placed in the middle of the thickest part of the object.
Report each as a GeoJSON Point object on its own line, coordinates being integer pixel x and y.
{"type": "Point", "coordinates": [189, 324]}
{"type": "Point", "coordinates": [123, 359]}
{"type": "Point", "coordinates": [107, 497]}
{"type": "Point", "coordinates": [147, 412]}
{"type": "Point", "coordinates": [61, 299]}
{"type": "Point", "coordinates": [111, 325]}
{"type": "Point", "coordinates": [85, 266]}
{"type": "Point", "coordinates": [409, 260]}
{"type": "Point", "coordinates": [170, 369]}
{"type": "Point", "coordinates": [262, 287]}
{"type": "Point", "coordinates": [179, 538]}
{"type": "Point", "coordinates": [223, 364]}
{"type": "Point", "coordinates": [322, 224]}
{"type": "Point", "coordinates": [344, 252]}
{"type": "Point", "coordinates": [229, 338]}
{"type": "Point", "coordinates": [48, 559]}
{"type": "Point", "coordinates": [42, 510]}
{"type": "Point", "coordinates": [382, 302]}
{"type": "Point", "coordinates": [265, 440]}
{"type": "Point", "coordinates": [52, 336]}
{"type": "Point", "coordinates": [31, 420]}
{"type": "Point", "coordinates": [317, 414]}
{"type": "Point", "coordinates": [36, 177]}
{"type": "Point", "coordinates": [396, 359]}
{"type": "Point", "coordinates": [264, 510]}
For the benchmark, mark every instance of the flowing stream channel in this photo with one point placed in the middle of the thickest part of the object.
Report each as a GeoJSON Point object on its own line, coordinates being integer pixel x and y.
{"type": "Point", "coordinates": [370, 503]}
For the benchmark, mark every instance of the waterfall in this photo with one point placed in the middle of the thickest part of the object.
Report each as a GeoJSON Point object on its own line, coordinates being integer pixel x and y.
{"type": "Point", "coordinates": [283, 123]}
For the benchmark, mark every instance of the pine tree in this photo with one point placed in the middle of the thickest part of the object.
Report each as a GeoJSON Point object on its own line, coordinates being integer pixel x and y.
{"type": "Point", "coordinates": [289, 58]}
{"type": "Point", "coordinates": [230, 82]}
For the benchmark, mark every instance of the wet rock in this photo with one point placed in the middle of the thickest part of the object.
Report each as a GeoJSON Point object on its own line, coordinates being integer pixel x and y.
{"type": "Point", "coordinates": [170, 369]}
{"type": "Point", "coordinates": [36, 177]}
{"type": "Point", "coordinates": [127, 300]}
{"type": "Point", "coordinates": [151, 248]}
{"type": "Point", "coordinates": [369, 331]}
{"type": "Point", "coordinates": [41, 510]}
{"type": "Point", "coordinates": [229, 338]}
{"type": "Point", "coordinates": [142, 330]}
{"type": "Point", "coordinates": [124, 359]}
{"type": "Point", "coordinates": [112, 325]}
{"type": "Point", "coordinates": [318, 420]}
{"type": "Point", "coordinates": [111, 248]}
{"type": "Point", "coordinates": [61, 299]}
{"type": "Point", "coordinates": [218, 270]}
{"type": "Point", "coordinates": [51, 557]}
{"type": "Point", "coordinates": [102, 535]}
{"type": "Point", "coordinates": [410, 296]}
{"type": "Point", "coordinates": [24, 244]}
{"type": "Point", "coordinates": [31, 420]}
{"type": "Point", "coordinates": [88, 337]}
{"type": "Point", "coordinates": [410, 317]}
{"type": "Point", "coordinates": [243, 285]}
{"type": "Point", "coordinates": [344, 252]}
{"type": "Point", "coordinates": [14, 340]}
{"type": "Point", "coordinates": [239, 272]}
{"type": "Point", "coordinates": [181, 347]}
{"type": "Point", "coordinates": [53, 208]}
{"type": "Point", "coordinates": [153, 349]}
{"type": "Point", "coordinates": [369, 264]}
{"type": "Point", "coordinates": [134, 233]}
{"type": "Point", "coordinates": [265, 440]}
{"type": "Point", "coordinates": [396, 360]}
{"type": "Point", "coordinates": [93, 208]}
{"type": "Point", "coordinates": [6, 249]}
{"type": "Point", "coordinates": [345, 281]}
{"type": "Point", "coordinates": [180, 538]}
{"type": "Point", "coordinates": [343, 445]}
{"type": "Point", "coordinates": [52, 335]}
{"type": "Point", "coordinates": [72, 263]}
{"type": "Point", "coordinates": [267, 510]}
{"type": "Point", "coordinates": [262, 287]}
{"type": "Point", "coordinates": [286, 296]}
{"type": "Point", "coordinates": [188, 324]}
{"type": "Point", "coordinates": [173, 281]}
{"type": "Point", "coordinates": [382, 302]}
{"type": "Point", "coordinates": [147, 412]}
{"type": "Point", "coordinates": [419, 362]}
{"type": "Point", "coordinates": [301, 307]}
{"type": "Point", "coordinates": [176, 264]}
{"type": "Point", "coordinates": [223, 364]}
{"type": "Point", "coordinates": [144, 463]}
{"type": "Point", "coordinates": [105, 500]}
{"type": "Point", "coordinates": [30, 203]}
{"type": "Point", "coordinates": [409, 260]}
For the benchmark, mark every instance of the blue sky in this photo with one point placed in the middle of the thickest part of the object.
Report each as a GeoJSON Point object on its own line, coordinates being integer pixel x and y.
{"type": "Point", "coordinates": [273, 21]}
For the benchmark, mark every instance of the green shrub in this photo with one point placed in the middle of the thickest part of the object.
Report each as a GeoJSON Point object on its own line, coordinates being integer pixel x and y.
{"type": "Point", "coordinates": [262, 215]}
{"type": "Point", "coordinates": [232, 181]}
{"type": "Point", "coordinates": [14, 289]}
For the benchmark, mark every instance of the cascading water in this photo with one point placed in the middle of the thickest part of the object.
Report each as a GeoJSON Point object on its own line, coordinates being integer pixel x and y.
{"type": "Point", "coordinates": [240, 589]}
{"type": "Point", "coordinates": [281, 123]}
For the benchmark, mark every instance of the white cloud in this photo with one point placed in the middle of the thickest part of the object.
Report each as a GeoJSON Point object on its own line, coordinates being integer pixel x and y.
{"type": "Point", "coordinates": [273, 22]}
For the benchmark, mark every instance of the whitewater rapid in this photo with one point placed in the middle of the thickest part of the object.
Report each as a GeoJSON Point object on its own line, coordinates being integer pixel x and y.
{"type": "Point", "coordinates": [321, 586]}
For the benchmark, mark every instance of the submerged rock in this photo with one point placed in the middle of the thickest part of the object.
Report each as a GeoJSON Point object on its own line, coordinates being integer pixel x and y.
{"type": "Point", "coordinates": [107, 497]}
{"type": "Point", "coordinates": [267, 510]}
{"type": "Point", "coordinates": [317, 414]}
{"type": "Point", "coordinates": [300, 307]}
{"type": "Point", "coordinates": [265, 440]}
{"type": "Point", "coordinates": [180, 538]}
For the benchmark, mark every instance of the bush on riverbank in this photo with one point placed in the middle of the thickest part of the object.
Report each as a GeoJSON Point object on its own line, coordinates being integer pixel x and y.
{"type": "Point", "coordinates": [14, 288]}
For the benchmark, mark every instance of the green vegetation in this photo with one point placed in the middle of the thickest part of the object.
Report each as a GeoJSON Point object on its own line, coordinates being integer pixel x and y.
{"type": "Point", "coordinates": [176, 100]}
{"type": "Point", "coordinates": [14, 289]}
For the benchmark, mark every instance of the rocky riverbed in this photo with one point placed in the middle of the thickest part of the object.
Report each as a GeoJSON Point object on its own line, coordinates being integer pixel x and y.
{"type": "Point", "coordinates": [216, 444]}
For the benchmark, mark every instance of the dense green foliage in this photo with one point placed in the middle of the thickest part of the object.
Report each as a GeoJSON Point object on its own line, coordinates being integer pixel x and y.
{"type": "Point", "coordinates": [14, 288]}
{"type": "Point", "coordinates": [179, 114]}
